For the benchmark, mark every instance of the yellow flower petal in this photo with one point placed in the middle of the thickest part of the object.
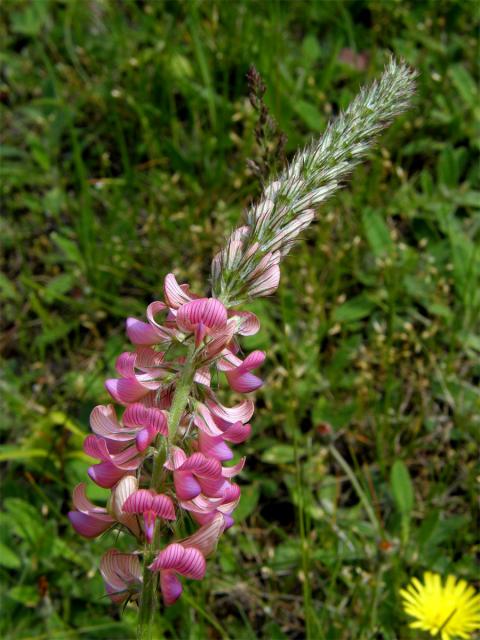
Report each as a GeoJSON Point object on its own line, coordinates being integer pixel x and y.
{"type": "Point", "coordinates": [451, 610]}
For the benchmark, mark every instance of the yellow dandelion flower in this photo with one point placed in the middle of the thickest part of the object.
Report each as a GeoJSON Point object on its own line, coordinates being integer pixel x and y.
{"type": "Point", "coordinates": [450, 611]}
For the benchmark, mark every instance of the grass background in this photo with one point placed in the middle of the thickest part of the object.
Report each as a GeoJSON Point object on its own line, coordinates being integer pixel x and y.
{"type": "Point", "coordinates": [126, 129]}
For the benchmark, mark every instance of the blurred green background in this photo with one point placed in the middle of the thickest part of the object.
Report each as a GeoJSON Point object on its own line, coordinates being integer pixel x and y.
{"type": "Point", "coordinates": [126, 128]}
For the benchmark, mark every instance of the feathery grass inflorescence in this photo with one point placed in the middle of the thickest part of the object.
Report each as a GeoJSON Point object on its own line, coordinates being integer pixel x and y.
{"type": "Point", "coordinates": [164, 459]}
{"type": "Point", "coordinates": [248, 265]}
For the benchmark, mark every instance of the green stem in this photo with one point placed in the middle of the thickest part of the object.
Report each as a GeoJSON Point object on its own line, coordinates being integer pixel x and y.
{"type": "Point", "coordinates": [149, 596]}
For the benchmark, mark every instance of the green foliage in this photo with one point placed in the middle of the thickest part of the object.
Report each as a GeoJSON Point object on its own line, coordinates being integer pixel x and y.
{"type": "Point", "coordinates": [126, 131]}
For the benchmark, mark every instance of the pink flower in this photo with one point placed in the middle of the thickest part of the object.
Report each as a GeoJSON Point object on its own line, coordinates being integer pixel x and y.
{"type": "Point", "coordinates": [145, 387]}
{"type": "Point", "coordinates": [204, 509]}
{"type": "Point", "coordinates": [201, 317]}
{"type": "Point", "coordinates": [205, 539]}
{"type": "Point", "coordinates": [141, 424]}
{"type": "Point", "coordinates": [88, 520]}
{"type": "Point", "coordinates": [238, 373]}
{"type": "Point", "coordinates": [218, 424]}
{"type": "Point", "coordinates": [175, 294]}
{"type": "Point", "coordinates": [194, 474]}
{"type": "Point", "coordinates": [133, 385]}
{"type": "Point", "coordinates": [151, 505]}
{"type": "Point", "coordinates": [122, 575]}
{"type": "Point", "coordinates": [176, 559]}
{"type": "Point", "coordinates": [116, 461]}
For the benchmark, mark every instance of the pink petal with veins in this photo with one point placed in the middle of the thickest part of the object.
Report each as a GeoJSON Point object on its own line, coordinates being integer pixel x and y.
{"type": "Point", "coordinates": [206, 538]}
{"type": "Point", "coordinates": [243, 382]}
{"type": "Point", "coordinates": [230, 472]}
{"type": "Point", "coordinates": [105, 474]}
{"type": "Point", "coordinates": [237, 432]}
{"type": "Point", "coordinates": [125, 364]}
{"type": "Point", "coordinates": [186, 486]}
{"type": "Point", "coordinates": [127, 390]}
{"type": "Point", "coordinates": [176, 459]}
{"type": "Point", "coordinates": [142, 332]}
{"type": "Point", "coordinates": [202, 466]}
{"type": "Point", "coordinates": [187, 562]}
{"type": "Point", "coordinates": [162, 507]}
{"type": "Point", "coordinates": [174, 294]}
{"type": "Point", "coordinates": [214, 447]}
{"type": "Point", "coordinates": [88, 526]}
{"type": "Point", "coordinates": [242, 411]}
{"type": "Point", "coordinates": [249, 323]}
{"type": "Point", "coordinates": [137, 415]}
{"type": "Point", "coordinates": [139, 501]}
{"type": "Point", "coordinates": [213, 487]}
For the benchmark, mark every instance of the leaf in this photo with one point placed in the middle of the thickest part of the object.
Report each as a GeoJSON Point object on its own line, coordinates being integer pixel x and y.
{"type": "Point", "coordinates": [69, 248]}
{"type": "Point", "coordinates": [279, 454]}
{"type": "Point", "coordinates": [309, 114]}
{"type": "Point", "coordinates": [25, 519]}
{"type": "Point", "coordinates": [354, 309]}
{"type": "Point", "coordinates": [7, 288]}
{"type": "Point", "coordinates": [464, 84]}
{"type": "Point", "coordinates": [273, 631]}
{"type": "Point", "coordinates": [10, 452]}
{"type": "Point", "coordinates": [402, 488]}
{"type": "Point", "coordinates": [26, 595]}
{"type": "Point", "coordinates": [447, 168]}
{"type": "Point", "coordinates": [311, 50]}
{"type": "Point", "coordinates": [377, 232]}
{"type": "Point", "coordinates": [248, 502]}
{"type": "Point", "coordinates": [8, 558]}
{"type": "Point", "coordinates": [58, 286]}
{"type": "Point", "coordinates": [30, 21]}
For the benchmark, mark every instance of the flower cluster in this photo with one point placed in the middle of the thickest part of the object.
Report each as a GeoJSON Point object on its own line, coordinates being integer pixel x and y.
{"type": "Point", "coordinates": [166, 457]}
{"type": "Point", "coordinates": [168, 451]}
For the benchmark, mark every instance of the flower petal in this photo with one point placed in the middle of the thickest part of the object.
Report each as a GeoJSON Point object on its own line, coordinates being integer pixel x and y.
{"type": "Point", "coordinates": [139, 501]}
{"type": "Point", "coordinates": [174, 294]}
{"type": "Point", "coordinates": [206, 538]}
{"type": "Point", "coordinates": [170, 586]}
{"type": "Point", "coordinates": [87, 525]}
{"type": "Point", "coordinates": [105, 474]}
